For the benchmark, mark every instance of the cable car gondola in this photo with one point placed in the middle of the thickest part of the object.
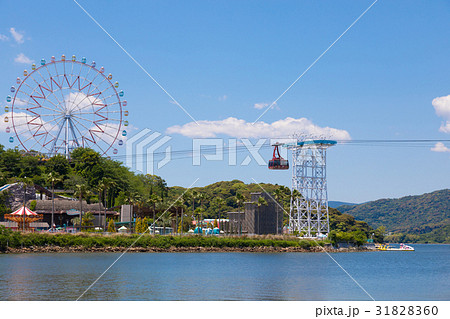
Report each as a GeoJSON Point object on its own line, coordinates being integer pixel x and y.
{"type": "Point", "coordinates": [277, 162]}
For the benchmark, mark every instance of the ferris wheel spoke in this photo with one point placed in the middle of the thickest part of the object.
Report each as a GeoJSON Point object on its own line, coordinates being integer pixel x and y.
{"type": "Point", "coordinates": [34, 117]}
{"type": "Point", "coordinates": [107, 97]}
{"type": "Point", "coordinates": [55, 119]}
{"type": "Point", "coordinates": [96, 95]}
{"type": "Point", "coordinates": [57, 124]}
{"type": "Point", "coordinates": [87, 76]}
{"type": "Point", "coordinates": [36, 106]}
{"type": "Point", "coordinates": [98, 145]}
{"type": "Point", "coordinates": [91, 133]}
{"type": "Point", "coordinates": [49, 88]}
{"type": "Point", "coordinates": [96, 133]}
{"type": "Point", "coordinates": [60, 85]}
{"type": "Point", "coordinates": [91, 103]}
{"type": "Point", "coordinates": [82, 124]}
{"type": "Point", "coordinates": [81, 134]}
{"type": "Point", "coordinates": [61, 105]}
{"type": "Point", "coordinates": [24, 102]}
{"type": "Point", "coordinates": [98, 112]}
{"type": "Point", "coordinates": [82, 86]}
{"type": "Point", "coordinates": [114, 103]}
{"type": "Point", "coordinates": [55, 114]}
{"type": "Point", "coordinates": [38, 85]}
{"type": "Point", "coordinates": [101, 82]}
{"type": "Point", "coordinates": [88, 120]}
{"type": "Point", "coordinates": [29, 138]}
{"type": "Point", "coordinates": [35, 143]}
{"type": "Point", "coordinates": [44, 97]}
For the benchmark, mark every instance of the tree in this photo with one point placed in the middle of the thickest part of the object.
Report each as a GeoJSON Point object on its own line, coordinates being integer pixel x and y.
{"type": "Point", "coordinates": [201, 197]}
{"type": "Point", "coordinates": [141, 225]}
{"type": "Point", "coordinates": [219, 203]}
{"type": "Point", "coordinates": [57, 164]}
{"type": "Point", "coordinates": [75, 221]}
{"type": "Point", "coordinates": [166, 221]}
{"type": "Point", "coordinates": [88, 220]}
{"type": "Point", "coordinates": [10, 163]}
{"type": "Point", "coordinates": [29, 166]}
{"type": "Point", "coordinates": [178, 205]}
{"type": "Point", "coordinates": [194, 195]}
{"type": "Point", "coordinates": [152, 201]}
{"type": "Point", "coordinates": [278, 195]}
{"type": "Point", "coordinates": [240, 199]}
{"type": "Point", "coordinates": [81, 190]}
{"type": "Point", "coordinates": [100, 191]}
{"type": "Point", "coordinates": [107, 184]}
{"type": "Point", "coordinates": [88, 164]}
{"type": "Point", "coordinates": [379, 234]}
{"type": "Point", "coordinates": [156, 184]}
{"type": "Point", "coordinates": [53, 178]}
{"type": "Point", "coordinates": [111, 226]}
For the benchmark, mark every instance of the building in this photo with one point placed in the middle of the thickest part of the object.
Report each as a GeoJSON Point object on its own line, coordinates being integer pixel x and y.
{"type": "Point", "coordinates": [257, 218]}
{"type": "Point", "coordinates": [66, 210]}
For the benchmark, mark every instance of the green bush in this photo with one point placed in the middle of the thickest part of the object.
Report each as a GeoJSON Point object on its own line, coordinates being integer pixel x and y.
{"type": "Point", "coordinates": [15, 239]}
{"type": "Point", "coordinates": [33, 205]}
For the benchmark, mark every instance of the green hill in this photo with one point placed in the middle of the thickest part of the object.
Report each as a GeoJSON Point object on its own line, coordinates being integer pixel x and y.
{"type": "Point", "coordinates": [422, 218]}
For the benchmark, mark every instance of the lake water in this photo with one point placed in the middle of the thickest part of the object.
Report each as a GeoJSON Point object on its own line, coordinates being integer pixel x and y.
{"type": "Point", "coordinates": [420, 275]}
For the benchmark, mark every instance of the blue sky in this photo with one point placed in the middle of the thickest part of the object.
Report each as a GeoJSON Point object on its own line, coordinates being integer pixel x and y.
{"type": "Point", "coordinates": [222, 59]}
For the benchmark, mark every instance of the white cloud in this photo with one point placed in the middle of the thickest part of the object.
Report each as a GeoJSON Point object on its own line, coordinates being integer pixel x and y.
{"type": "Point", "coordinates": [80, 102]}
{"type": "Point", "coordinates": [19, 102]}
{"type": "Point", "coordinates": [3, 37]}
{"type": "Point", "coordinates": [22, 58]}
{"type": "Point", "coordinates": [18, 37]}
{"type": "Point", "coordinates": [241, 129]}
{"type": "Point", "coordinates": [440, 147]}
{"type": "Point", "coordinates": [442, 107]}
{"type": "Point", "coordinates": [20, 121]}
{"type": "Point", "coordinates": [262, 105]}
{"type": "Point", "coordinates": [223, 98]}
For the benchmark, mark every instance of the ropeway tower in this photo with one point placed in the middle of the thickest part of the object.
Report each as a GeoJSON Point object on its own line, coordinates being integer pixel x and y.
{"type": "Point", "coordinates": [309, 200]}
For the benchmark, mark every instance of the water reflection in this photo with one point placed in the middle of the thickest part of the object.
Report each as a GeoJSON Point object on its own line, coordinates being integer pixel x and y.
{"type": "Point", "coordinates": [228, 276]}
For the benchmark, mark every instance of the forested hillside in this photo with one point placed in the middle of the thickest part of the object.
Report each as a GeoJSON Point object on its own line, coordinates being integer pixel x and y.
{"type": "Point", "coordinates": [88, 176]}
{"type": "Point", "coordinates": [424, 218]}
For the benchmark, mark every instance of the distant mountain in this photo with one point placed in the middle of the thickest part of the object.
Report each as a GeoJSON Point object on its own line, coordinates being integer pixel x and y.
{"type": "Point", "coordinates": [336, 204]}
{"type": "Point", "coordinates": [425, 217]}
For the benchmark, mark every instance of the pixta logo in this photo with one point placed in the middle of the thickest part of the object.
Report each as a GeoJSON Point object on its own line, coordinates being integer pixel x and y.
{"type": "Point", "coordinates": [141, 149]}
{"type": "Point", "coordinates": [145, 151]}
{"type": "Point", "coordinates": [216, 149]}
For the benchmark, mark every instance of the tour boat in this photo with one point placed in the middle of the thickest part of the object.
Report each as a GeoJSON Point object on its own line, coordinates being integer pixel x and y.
{"type": "Point", "coordinates": [402, 247]}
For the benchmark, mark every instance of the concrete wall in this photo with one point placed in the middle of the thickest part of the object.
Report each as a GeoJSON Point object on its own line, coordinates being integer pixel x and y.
{"type": "Point", "coordinates": [126, 213]}
{"type": "Point", "coordinates": [264, 219]}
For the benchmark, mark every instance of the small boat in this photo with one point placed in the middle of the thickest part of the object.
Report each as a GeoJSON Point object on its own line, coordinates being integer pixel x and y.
{"type": "Point", "coordinates": [386, 247]}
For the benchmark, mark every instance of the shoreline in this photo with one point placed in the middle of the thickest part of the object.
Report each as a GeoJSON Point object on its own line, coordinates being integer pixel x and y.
{"type": "Point", "coordinates": [110, 249]}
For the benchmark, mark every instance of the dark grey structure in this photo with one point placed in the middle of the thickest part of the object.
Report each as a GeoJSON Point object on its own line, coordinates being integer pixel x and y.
{"type": "Point", "coordinates": [262, 219]}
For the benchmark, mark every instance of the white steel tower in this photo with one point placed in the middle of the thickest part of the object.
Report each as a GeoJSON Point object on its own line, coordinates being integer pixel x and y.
{"type": "Point", "coordinates": [309, 200]}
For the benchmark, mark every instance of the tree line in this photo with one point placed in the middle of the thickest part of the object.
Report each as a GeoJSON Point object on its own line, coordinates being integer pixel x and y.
{"type": "Point", "coordinates": [88, 176]}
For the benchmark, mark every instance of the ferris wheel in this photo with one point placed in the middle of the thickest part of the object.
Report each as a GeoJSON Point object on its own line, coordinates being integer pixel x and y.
{"type": "Point", "coordinates": [62, 105]}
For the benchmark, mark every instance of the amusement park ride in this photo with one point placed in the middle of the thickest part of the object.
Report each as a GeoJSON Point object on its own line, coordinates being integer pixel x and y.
{"type": "Point", "coordinates": [308, 213]}
{"type": "Point", "coordinates": [64, 104]}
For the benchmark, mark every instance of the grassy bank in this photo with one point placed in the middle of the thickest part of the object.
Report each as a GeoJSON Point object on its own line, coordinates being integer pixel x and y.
{"type": "Point", "coordinates": [10, 239]}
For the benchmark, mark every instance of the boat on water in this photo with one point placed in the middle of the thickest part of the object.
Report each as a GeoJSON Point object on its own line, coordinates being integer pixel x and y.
{"type": "Point", "coordinates": [386, 247]}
